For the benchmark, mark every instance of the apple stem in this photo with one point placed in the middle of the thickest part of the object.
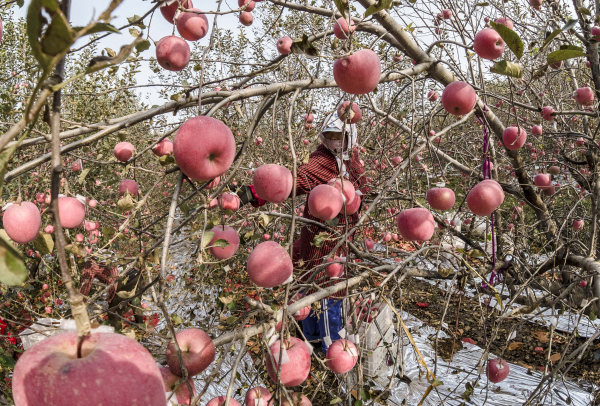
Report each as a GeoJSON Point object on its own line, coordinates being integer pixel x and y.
{"type": "Point", "coordinates": [80, 344]}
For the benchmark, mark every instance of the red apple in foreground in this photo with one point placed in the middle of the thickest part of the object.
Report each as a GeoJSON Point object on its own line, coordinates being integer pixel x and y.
{"type": "Point", "coordinates": [543, 181]}
{"type": "Point", "coordinates": [204, 148]}
{"type": "Point", "coordinates": [258, 392]}
{"type": "Point", "coordinates": [273, 183]}
{"type": "Point", "coordinates": [349, 191]}
{"type": "Point", "coordinates": [22, 222]}
{"type": "Point", "coordinates": [182, 393]}
{"type": "Point", "coordinates": [485, 197]}
{"type": "Point", "coordinates": [168, 10]}
{"type": "Point", "coordinates": [128, 185]}
{"type": "Point", "coordinates": [71, 212]}
{"type": "Point", "coordinates": [441, 198]}
{"type": "Point", "coordinates": [228, 234]}
{"type": "Point", "coordinates": [124, 151]}
{"type": "Point", "coordinates": [353, 206]}
{"type": "Point", "coordinates": [354, 114]}
{"type": "Point", "coordinates": [459, 98]}
{"type": "Point", "coordinates": [164, 147]}
{"type": "Point", "coordinates": [172, 53]}
{"type": "Point", "coordinates": [269, 265]}
{"type": "Point", "coordinates": [192, 26]}
{"type": "Point", "coordinates": [284, 45]}
{"type": "Point", "coordinates": [514, 138]}
{"type": "Point", "coordinates": [228, 201]}
{"type": "Point", "coordinates": [340, 28]}
{"type": "Point", "coordinates": [341, 356]}
{"type": "Point", "coordinates": [488, 44]}
{"type": "Point", "coordinates": [197, 352]}
{"type": "Point", "coordinates": [296, 370]}
{"type": "Point", "coordinates": [497, 370]}
{"type": "Point", "coordinates": [113, 370]}
{"type": "Point", "coordinates": [416, 224]}
{"type": "Point", "coordinates": [358, 73]}
{"type": "Point", "coordinates": [336, 269]}
{"type": "Point", "coordinates": [325, 202]}
{"type": "Point", "coordinates": [246, 18]}
{"type": "Point", "coordinates": [220, 401]}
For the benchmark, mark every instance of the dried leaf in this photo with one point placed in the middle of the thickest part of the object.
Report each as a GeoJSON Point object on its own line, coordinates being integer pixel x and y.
{"type": "Point", "coordinates": [541, 336]}
{"type": "Point", "coordinates": [515, 346]}
{"type": "Point", "coordinates": [555, 357]}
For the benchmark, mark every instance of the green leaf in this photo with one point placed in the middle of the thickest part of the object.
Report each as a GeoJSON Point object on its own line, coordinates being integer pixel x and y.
{"type": "Point", "coordinates": [563, 55]}
{"type": "Point", "coordinates": [77, 249]}
{"type": "Point", "coordinates": [35, 24]}
{"type": "Point", "coordinates": [570, 24]}
{"type": "Point", "coordinates": [97, 64]}
{"type": "Point", "coordinates": [335, 400]}
{"type": "Point", "coordinates": [304, 47]}
{"type": "Point", "coordinates": [108, 232]}
{"type": "Point", "coordinates": [506, 68]}
{"type": "Point", "coordinates": [264, 220]}
{"type": "Point", "coordinates": [6, 361]}
{"type": "Point", "coordinates": [437, 382]}
{"type": "Point", "coordinates": [320, 239]}
{"type": "Point", "coordinates": [380, 5]}
{"type": "Point", "coordinates": [44, 243]}
{"type": "Point", "coordinates": [84, 173]}
{"type": "Point", "coordinates": [166, 160]}
{"type": "Point", "coordinates": [511, 38]}
{"type": "Point", "coordinates": [592, 315]}
{"type": "Point", "coordinates": [58, 36]}
{"type": "Point", "coordinates": [12, 269]}
{"type": "Point", "coordinates": [99, 27]}
{"type": "Point", "coordinates": [137, 21]}
{"type": "Point", "coordinates": [343, 7]}
{"type": "Point", "coordinates": [333, 222]}
{"type": "Point", "coordinates": [142, 46]}
{"type": "Point", "coordinates": [20, 3]}
{"type": "Point", "coordinates": [126, 203]}
{"type": "Point", "coordinates": [208, 236]}
{"type": "Point", "coordinates": [221, 243]}
{"type": "Point", "coordinates": [484, 4]}
{"type": "Point", "coordinates": [5, 156]}
{"type": "Point", "coordinates": [134, 32]}
{"type": "Point", "coordinates": [583, 10]}
{"type": "Point", "coordinates": [549, 38]}
{"type": "Point", "coordinates": [176, 319]}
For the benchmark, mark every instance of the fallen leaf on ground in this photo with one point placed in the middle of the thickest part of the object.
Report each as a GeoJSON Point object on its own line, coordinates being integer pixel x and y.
{"type": "Point", "coordinates": [524, 365]}
{"type": "Point", "coordinates": [515, 346]}
{"type": "Point", "coordinates": [555, 357]}
{"type": "Point", "coordinates": [541, 336]}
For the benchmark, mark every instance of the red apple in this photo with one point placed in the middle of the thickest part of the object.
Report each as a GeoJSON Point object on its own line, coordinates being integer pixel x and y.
{"type": "Point", "coordinates": [336, 269]}
{"type": "Point", "coordinates": [441, 198]}
{"type": "Point", "coordinates": [128, 185]}
{"type": "Point", "coordinates": [505, 21]}
{"type": "Point", "coordinates": [197, 352]}
{"type": "Point", "coordinates": [172, 53]}
{"type": "Point", "coordinates": [273, 183]}
{"type": "Point", "coordinates": [228, 234]}
{"type": "Point", "coordinates": [416, 224]}
{"type": "Point", "coordinates": [485, 197]}
{"type": "Point", "coordinates": [258, 392]}
{"type": "Point", "coordinates": [246, 18]}
{"type": "Point", "coordinates": [595, 31]}
{"type": "Point", "coordinates": [584, 96]}
{"type": "Point", "coordinates": [228, 201]}
{"type": "Point", "coordinates": [354, 114]}
{"type": "Point", "coordinates": [71, 212]}
{"type": "Point", "coordinates": [124, 151]}
{"type": "Point", "coordinates": [113, 370]}
{"type": "Point", "coordinates": [182, 393]}
{"type": "Point", "coordinates": [169, 8]}
{"type": "Point", "coordinates": [497, 370]}
{"type": "Point", "coordinates": [578, 224]}
{"type": "Point", "coordinates": [537, 4]}
{"type": "Point", "coordinates": [358, 73]}
{"type": "Point", "coordinates": [220, 401]}
{"type": "Point", "coordinates": [250, 3]}
{"type": "Point", "coordinates": [204, 148]}
{"type": "Point", "coordinates": [296, 370]}
{"type": "Point", "coordinates": [369, 244]}
{"type": "Point", "coordinates": [341, 356]}
{"type": "Point", "coordinates": [284, 45]}
{"type": "Point", "coordinates": [340, 28]}
{"type": "Point", "coordinates": [269, 265]}
{"type": "Point", "coordinates": [488, 44]}
{"type": "Point", "coordinates": [447, 14]}
{"type": "Point", "coordinates": [432, 96]}
{"type": "Point", "coordinates": [192, 26]}
{"type": "Point", "coordinates": [547, 113]}
{"type": "Point", "coordinates": [325, 202]}
{"type": "Point", "coordinates": [543, 181]}
{"type": "Point", "coordinates": [22, 222]}
{"type": "Point", "coordinates": [76, 166]}
{"type": "Point", "coordinates": [536, 130]}
{"type": "Point", "coordinates": [349, 191]}
{"type": "Point", "coordinates": [459, 98]}
{"type": "Point", "coordinates": [353, 206]}
{"type": "Point", "coordinates": [164, 147]}
{"type": "Point", "coordinates": [514, 138]}
{"type": "Point", "coordinates": [554, 170]}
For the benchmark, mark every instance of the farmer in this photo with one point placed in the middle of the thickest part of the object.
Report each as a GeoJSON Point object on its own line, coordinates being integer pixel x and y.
{"type": "Point", "coordinates": [338, 152]}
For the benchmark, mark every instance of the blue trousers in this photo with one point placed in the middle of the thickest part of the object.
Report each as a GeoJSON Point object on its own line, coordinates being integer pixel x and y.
{"type": "Point", "coordinates": [314, 328]}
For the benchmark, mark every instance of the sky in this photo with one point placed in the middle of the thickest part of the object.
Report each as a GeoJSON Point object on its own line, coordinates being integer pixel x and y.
{"type": "Point", "coordinates": [84, 11]}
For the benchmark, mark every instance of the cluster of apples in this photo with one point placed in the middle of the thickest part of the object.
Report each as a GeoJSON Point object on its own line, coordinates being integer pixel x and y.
{"type": "Point", "coordinates": [172, 52]}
